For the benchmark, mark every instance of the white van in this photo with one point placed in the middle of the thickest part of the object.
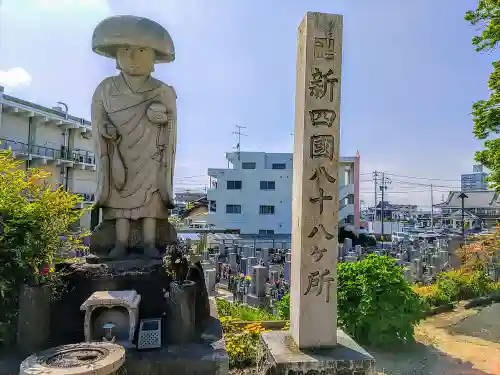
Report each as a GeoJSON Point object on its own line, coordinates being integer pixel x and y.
{"type": "Point", "coordinates": [398, 237]}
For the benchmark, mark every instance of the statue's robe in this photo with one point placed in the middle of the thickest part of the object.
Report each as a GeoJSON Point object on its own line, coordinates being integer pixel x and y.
{"type": "Point", "coordinates": [135, 172]}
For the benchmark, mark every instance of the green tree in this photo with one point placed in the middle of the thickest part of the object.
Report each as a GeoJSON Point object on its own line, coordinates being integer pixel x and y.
{"type": "Point", "coordinates": [35, 217]}
{"type": "Point", "coordinates": [486, 113]}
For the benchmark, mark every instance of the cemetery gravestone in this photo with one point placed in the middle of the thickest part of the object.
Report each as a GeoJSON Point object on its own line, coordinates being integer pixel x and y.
{"type": "Point", "coordinates": [315, 343]}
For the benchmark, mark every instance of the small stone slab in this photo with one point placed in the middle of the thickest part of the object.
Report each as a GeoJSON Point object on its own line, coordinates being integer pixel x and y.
{"type": "Point", "coordinates": [126, 298]}
{"type": "Point", "coordinates": [285, 358]}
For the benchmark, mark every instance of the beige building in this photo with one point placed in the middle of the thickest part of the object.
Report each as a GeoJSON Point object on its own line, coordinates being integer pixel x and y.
{"type": "Point", "coordinates": [52, 139]}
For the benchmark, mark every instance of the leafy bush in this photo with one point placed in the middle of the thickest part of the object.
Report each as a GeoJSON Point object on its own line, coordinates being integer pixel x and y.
{"type": "Point", "coordinates": [457, 285]}
{"type": "Point", "coordinates": [242, 344]}
{"type": "Point", "coordinates": [242, 312]}
{"type": "Point", "coordinates": [283, 307]}
{"type": "Point", "coordinates": [375, 303]}
{"type": "Point", "coordinates": [432, 295]}
{"type": "Point", "coordinates": [35, 218]}
{"type": "Point", "coordinates": [223, 307]}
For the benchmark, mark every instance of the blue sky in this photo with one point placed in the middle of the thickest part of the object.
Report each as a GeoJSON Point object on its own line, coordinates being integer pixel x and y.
{"type": "Point", "coordinates": [410, 76]}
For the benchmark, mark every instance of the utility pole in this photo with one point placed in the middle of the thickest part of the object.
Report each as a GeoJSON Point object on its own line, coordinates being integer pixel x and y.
{"type": "Point", "coordinates": [432, 208]}
{"type": "Point", "coordinates": [463, 196]}
{"type": "Point", "coordinates": [383, 187]}
{"type": "Point", "coordinates": [375, 177]}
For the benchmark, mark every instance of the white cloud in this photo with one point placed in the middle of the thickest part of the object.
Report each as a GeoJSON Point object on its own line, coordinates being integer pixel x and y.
{"type": "Point", "coordinates": [62, 4]}
{"type": "Point", "coordinates": [15, 77]}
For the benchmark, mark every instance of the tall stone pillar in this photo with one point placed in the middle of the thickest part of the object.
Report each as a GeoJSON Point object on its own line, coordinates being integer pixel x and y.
{"type": "Point", "coordinates": [315, 207]}
{"type": "Point", "coordinates": [315, 214]}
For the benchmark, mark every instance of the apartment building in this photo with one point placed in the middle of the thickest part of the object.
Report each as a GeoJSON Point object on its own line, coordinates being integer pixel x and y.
{"type": "Point", "coordinates": [51, 139]}
{"type": "Point", "coordinates": [254, 194]}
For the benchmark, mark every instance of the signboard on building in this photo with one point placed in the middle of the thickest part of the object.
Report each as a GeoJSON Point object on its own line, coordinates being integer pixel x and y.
{"type": "Point", "coordinates": [474, 181]}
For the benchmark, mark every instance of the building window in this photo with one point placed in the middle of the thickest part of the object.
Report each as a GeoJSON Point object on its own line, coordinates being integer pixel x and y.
{"type": "Point", "coordinates": [233, 209]}
{"type": "Point", "coordinates": [248, 165]}
{"type": "Point", "coordinates": [212, 206]}
{"type": "Point", "coordinates": [267, 185]}
{"type": "Point", "coordinates": [279, 166]}
{"type": "Point", "coordinates": [233, 185]}
{"type": "Point", "coordinates": [266, 210]}
{"type": "Point", "coordinates": [266, 232]}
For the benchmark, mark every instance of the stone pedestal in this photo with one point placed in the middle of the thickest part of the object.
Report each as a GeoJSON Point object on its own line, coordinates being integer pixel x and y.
{"type": "Point", "coordinates": [182, 326]}
{"type": "Point", "coordinates": [232, 262]}
{"type": "Point", "coordinates": [274, 276]}
{"type": "Point", "coordinates": [346, 358]}
{"type": "Point", "coordinates": [243, 265]}
{"type": "Point", "coordinates": [287, 270]}
{"type": "Point", "coordinates": [251, 262]}
{"type": "Point", "coordinates": [260, 277]}
{"type": "Point", "coordinates": [210, 281]}
{"type": "Point", "coordinates": [103, 237]}
{"type": "Point", "coordinates": [34, 318]}
{"type": "Point", "coordinates": [264, 256]}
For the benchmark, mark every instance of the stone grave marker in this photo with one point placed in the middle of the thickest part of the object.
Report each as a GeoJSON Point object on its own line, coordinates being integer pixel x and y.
{"type": "Point", "coordinates": [314, 342]}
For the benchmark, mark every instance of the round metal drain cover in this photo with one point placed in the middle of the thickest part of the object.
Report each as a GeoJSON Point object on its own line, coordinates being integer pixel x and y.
{"type": "Point", "coordinates": [96, 358]}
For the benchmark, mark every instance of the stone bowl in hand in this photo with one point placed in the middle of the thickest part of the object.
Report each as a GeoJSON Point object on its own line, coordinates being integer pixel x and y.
{"type": "Point", "coordinates": [157, 114]}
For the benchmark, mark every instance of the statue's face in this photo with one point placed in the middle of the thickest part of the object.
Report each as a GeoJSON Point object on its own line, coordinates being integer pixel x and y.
{"type": "Point", "coordinates": [135, 61]}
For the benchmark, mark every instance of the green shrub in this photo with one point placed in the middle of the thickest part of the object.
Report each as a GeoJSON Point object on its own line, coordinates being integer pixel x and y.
{"type": "Point", "coordinates": [432, 295]}
{"type": "Point", "coordinates": [283, 307]}
{"type": "Point", "coordinates": [223, 307]}
{"type": "Point", "coordinates": [375, 303]}
{"type": "Point", "coordinates": [460, 285]}
{"type": "Point", "coordinates": [35, 221]}
{"type": "Point", "coordinates": [242, 312]}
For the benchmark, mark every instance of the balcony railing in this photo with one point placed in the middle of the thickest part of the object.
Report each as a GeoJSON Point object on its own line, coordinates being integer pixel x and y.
{"type": "Point", "coordinates": [76, 155]}
{"type": "Point", "coordinates": [87, 197]}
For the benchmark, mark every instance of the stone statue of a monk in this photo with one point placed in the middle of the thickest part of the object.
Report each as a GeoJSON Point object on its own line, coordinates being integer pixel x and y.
{"type": "Point", "coordinates": [134, 130]}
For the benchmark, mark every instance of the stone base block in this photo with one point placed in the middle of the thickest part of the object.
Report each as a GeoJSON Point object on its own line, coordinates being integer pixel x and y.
{"type": "Point", "coordinates": [206, 356]}
{"type": "Point", "coordinates": [254, 301]}
{"type": "Point", "coordinates": [103, 237]}
{"type": "Point", "coordinates": [194, 358]}
{"type": "Point", "coordinates": [283, 357]}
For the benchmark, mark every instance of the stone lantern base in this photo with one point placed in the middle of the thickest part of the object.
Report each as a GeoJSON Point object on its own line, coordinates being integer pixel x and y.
{"type": "Point", "coordinates": [283, 357]}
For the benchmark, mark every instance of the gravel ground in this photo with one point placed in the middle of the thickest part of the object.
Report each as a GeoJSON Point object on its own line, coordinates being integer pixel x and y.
{"type": "Point", "coordinates": [440, 351]}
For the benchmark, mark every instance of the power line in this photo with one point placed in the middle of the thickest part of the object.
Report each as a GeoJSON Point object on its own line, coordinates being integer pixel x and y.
{"type": "Point", "coordinates": [422, 184]}
{"type": "Point", "coordinates": [421, 178]}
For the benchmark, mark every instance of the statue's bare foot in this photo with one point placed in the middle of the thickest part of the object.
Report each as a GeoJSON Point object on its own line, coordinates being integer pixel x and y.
{"type": "Point", "coordinates": [119, 252]}
{"type": "Point", "coordinates": [151, 252]}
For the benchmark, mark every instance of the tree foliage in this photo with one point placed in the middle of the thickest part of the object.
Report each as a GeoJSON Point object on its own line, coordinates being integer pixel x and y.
{"type": "Point", "coordinates": [35, 217]}
{"type": "Point", "coordinates": [482, 253]}
{"type": "Point", "coordinates": [486, 113]}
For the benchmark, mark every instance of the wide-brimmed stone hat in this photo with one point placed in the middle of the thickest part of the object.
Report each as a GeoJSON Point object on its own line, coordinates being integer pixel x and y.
{"type": "Point", "coordinates": [119, 31]}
